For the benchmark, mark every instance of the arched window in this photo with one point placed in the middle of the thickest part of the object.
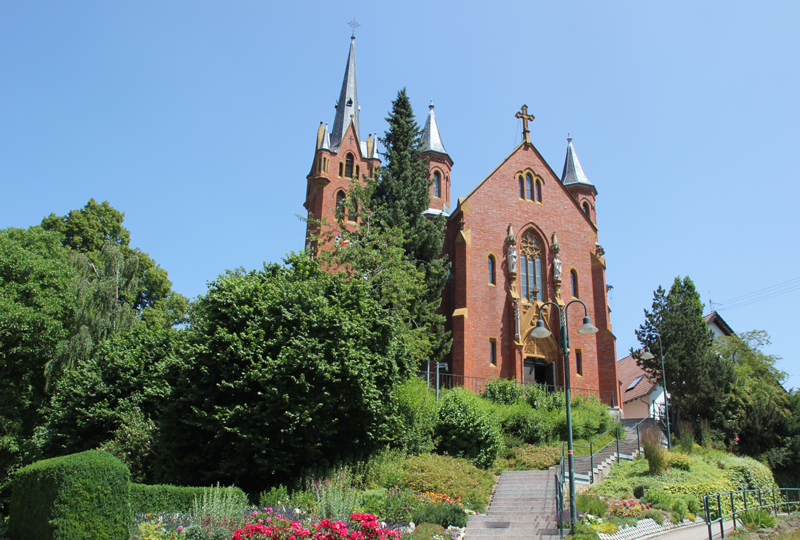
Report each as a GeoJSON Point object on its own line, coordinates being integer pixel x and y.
{"type": "Point", "coordinates": [341, 169]}
{"type": "Point", "coordinates": [529, 186]}
{"type": "Point", "coordinates": [538, 190]}
{"type": "Point", "coordinates": [531, 268]}
{"type": "Point", "coordinates": [521, 188]}
{"type": "Point", "coordinates": [586, 208]}
{"type": "Point", "coordinates": [491, 270]}
{"type": "Point", "coordinates": [352, 214]}
{"type": "Point", "coordinates": [574, 275]}
{"type": "Point", "coordinates": [437, 184]}
{"type": "Point", "coordinates": [340, 197]}
{"type": "Point", "coordinates": [348, 168]}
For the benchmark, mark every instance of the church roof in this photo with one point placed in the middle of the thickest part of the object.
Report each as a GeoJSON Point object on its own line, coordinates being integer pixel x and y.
{"type": "Point", "coordinates": [347, 106]}
{"type": "Point", "coordinates": [573, 172]}
{"type": "Point", "coordinates": [431, 140]}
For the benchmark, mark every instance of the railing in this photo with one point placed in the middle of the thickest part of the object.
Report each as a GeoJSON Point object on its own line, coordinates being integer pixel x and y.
{"type": "Point", "coordinates": [560, 474]}
{"type": "Point", "coordinates": [785, 497]}
{"type": "Point", "coordinates": [478, 385]}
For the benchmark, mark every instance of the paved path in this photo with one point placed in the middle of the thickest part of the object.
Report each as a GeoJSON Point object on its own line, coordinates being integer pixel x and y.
{"type": "Point", "coordinates": [523, 506]}
{"type": "Point", "coordinates": [627, 446]}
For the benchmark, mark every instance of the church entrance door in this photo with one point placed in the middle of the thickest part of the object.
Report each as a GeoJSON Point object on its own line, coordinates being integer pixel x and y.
{"type": "Point", "coordinates": [538, 371]}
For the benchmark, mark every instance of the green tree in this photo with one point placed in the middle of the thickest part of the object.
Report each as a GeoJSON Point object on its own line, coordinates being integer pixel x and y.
{"type": "Point", "coordinates": [290, 366]}
{"type": "Point", "coordinates": [678, 317]}
{"type": "Point", "coordinates": [91, 229]}
{"type": "Point", "coordinates": [36, 301]}
{"type": "Point", "coordinates": [401, 194]}
{"type": "Point", "coordinates": [758, 411]}
{"type": "Point", "coordinates": [113, 398]}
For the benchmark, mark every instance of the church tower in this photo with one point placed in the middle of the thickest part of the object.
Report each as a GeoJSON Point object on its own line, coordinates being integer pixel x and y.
{"type": "Point", "coordinates": [577, 184]}
{"type": "Point", "coordinates": [339, 157]}
{"type": "Point", "coordinates": [439, 164]}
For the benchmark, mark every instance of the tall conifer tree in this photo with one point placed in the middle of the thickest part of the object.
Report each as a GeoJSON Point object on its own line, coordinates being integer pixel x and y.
{"type": "Point", "coordinates": [400, 196]}
{"type": "Point", "coordinates": [690, 369]}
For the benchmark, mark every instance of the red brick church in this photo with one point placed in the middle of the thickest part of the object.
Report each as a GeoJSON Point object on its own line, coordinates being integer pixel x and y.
{"type": "Point", "coordinates": [521, 237]}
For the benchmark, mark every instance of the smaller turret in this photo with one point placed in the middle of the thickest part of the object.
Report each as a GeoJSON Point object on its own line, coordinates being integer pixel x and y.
{"type": "Point", "coordinates": [577, 183]}
{"type": "Point", "coordinates": [439, 164]}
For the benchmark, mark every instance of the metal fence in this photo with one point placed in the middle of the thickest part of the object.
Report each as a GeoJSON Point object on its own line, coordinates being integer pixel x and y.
{"type": "Point", "coordinates": [719, 506]}
{"type": "Point", "coordinates": [442, 381]}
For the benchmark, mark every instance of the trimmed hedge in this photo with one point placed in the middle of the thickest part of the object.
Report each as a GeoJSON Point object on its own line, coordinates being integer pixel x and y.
{"type": "Point", "coordinates": [82, 496]}
{"type": "Point", "coordinates": [465, 429]}
{"type": "Point", "coordinates": [146, 499]}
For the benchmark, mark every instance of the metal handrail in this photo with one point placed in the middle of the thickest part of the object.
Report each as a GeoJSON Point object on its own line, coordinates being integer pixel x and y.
{"type": "Point", "coordinates": [777, 501]}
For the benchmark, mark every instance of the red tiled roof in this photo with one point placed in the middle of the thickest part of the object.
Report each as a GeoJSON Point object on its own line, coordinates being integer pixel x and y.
{"type": "Point", "coordinates": [628, 371]}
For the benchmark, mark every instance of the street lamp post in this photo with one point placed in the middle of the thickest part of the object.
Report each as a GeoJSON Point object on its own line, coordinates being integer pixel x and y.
{"type": "Point", "coordinates": [541, 332]}
{"type": "Point", "coordinates": [647, 355]}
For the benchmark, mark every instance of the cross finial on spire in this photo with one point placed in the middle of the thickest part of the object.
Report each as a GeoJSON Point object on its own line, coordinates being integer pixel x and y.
{"type": "Point", "coordinates": [353, 24]}
{"type": "Point", "coordinates": [431, 105]}
{"type": "Point", "coordinates": [526, 135]}
{"type": "Point", "coordinates": [569, 137]}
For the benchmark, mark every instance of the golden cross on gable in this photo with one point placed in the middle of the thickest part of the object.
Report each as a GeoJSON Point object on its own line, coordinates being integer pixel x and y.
{"type": "Point", "coordinates": [526, 135]}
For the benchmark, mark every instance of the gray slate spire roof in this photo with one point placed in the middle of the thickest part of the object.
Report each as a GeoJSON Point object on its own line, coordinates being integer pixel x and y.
{"type": "Point", "coordinates": [348, 101]}
{"type": "Point", "coordinates": [573, 173]}
{"type": "Point", "coordinates": [431, 140]}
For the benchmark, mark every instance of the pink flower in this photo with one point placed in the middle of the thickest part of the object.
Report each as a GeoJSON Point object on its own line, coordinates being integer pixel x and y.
{"type": "Point", "coordinates": [180, 528]}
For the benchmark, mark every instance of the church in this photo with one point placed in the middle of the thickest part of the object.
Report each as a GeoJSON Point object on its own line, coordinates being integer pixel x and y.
{"type": "Point", "coordinates": [522, 237]}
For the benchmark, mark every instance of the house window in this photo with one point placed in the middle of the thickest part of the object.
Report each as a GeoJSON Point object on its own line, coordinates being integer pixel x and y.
{"type": "Point", "coordinates": [529, 186]}
{"type": "Point", "coordinates": [348, 167]}
{"type": "Point", "coordinates": [538, 190]}
{"type": "Point", "coordinates": [521, 188]}
{"type": "Point", "coordinates": [341, 168]}
{"type": "Point", "coordinates": [437, 184]}
{"type": "Point", "coordinates": [531, 268]}
{"type": "Point", "coordinates": [340, 197]}
{"type": "Point", "coordinates": [491, 270]}
{"type": "Point", "coordinates": [574, 278]}
{"type": "Point", "coordinates": [586, 208]}
{"type": "Point", "coordinates": [579, 362]}
{"type": "Point", "coordinates": [352, 214]}
{"type": "Point", "coordinates": [493, 351]}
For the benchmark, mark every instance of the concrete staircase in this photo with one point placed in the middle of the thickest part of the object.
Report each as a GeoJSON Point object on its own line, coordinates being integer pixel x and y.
{"type": "Point", "coordinates": [523, 506]}
{"type": "Point", "coordinates": [628, 449]}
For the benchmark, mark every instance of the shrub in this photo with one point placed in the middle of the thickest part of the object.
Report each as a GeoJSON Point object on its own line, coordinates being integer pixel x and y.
{"type": "Point", "coordinates": [538, 397]}
{"type": "Point", "coordinates": [466, 429]}
{"type": "Point", "coordinates": [706, 437]}
{"type": "Point", "coordinates": [221, 503]}
{"type": "Point", "coordinates": [155, 499]}
{"type": "Point", "coordinates": [655, 515]}
{"type": "Point", "coordinates": [522, 422]}
{"type": "Point", "coordinates": [678, 461]}
{"type": "Point", "coordinates": [78, 496]}
{"type": "Point", "coordinates": [334, 497]}
{"type": "Point", "coordinates": [586, 503]}
{"type": "Point", "coordinates": [275, 497]}
{"type": "Point", "coordinates": [581, 531]}
{"type": "Point", "coordinates": [444, 514]}
{"type": "Point", "coordinates": [383, 469]}
{"type": "Point", "coordinates": [679, 509]}
{"type": "Point", "coordinates": [451, 476]}
{"type": "Point", "coordinates": [686, 430]}
{"type": "Point", "coordinates": [535, 458]}
{"type": "Point", "coordinates": [503, 391]}
{"type": "Point", "coordinates": [589, 419]}
{"type": "Point", "coordinates": [757, 518]}
{"type": "Point", "coordinates": [655, 454]}
{"type": "Point", "coordinates": [605, 528]}
{"type": "Point", "coordinates": [391, 505]}
{"type": "Point", "coordinates": [416, 408]}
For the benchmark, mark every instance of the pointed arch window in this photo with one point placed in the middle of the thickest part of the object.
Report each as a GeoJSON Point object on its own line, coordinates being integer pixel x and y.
{"type": "Point", "coordinates": [348, 166]}
{"type": "Point", "coordinates": [521, 187]}
{"type": "Point", "coordinates": [574, 279]}
{"type": "Point", "coordinates": [352, 214]}
{"type": "Point", "coordinates": [538, 190]}
{"type": "Point", "coordinates": [437, 184]}
{"type": "Point", "coordinates": [531, 268]}
{"type": "Point", "coordinates": [529, 186]}
{"type": "Point", "coordinates": [492, 265]}
{"type": "Point", "coordinates": [340, 198]}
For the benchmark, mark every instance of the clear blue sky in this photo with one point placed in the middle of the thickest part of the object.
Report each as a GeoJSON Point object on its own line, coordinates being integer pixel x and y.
{"type": "Point", "coordinates": [198, 119]}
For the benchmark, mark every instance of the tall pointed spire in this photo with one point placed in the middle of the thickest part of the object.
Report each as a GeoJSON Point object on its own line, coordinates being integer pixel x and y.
{"type": "Point", "coordinates": [431, 140]}
{"type": "Point", "coordinates": [347, 106]}
{"type": "Point", "coordinates": [573, 172]}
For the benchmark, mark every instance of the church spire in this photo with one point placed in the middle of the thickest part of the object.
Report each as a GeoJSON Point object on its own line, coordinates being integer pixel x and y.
{"type": "Point", "coordinates": [573, 172]}
{"type": "Point", "coordinates": [431, 140]}
{"type": "Point", "coordinates": [347, 106]}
